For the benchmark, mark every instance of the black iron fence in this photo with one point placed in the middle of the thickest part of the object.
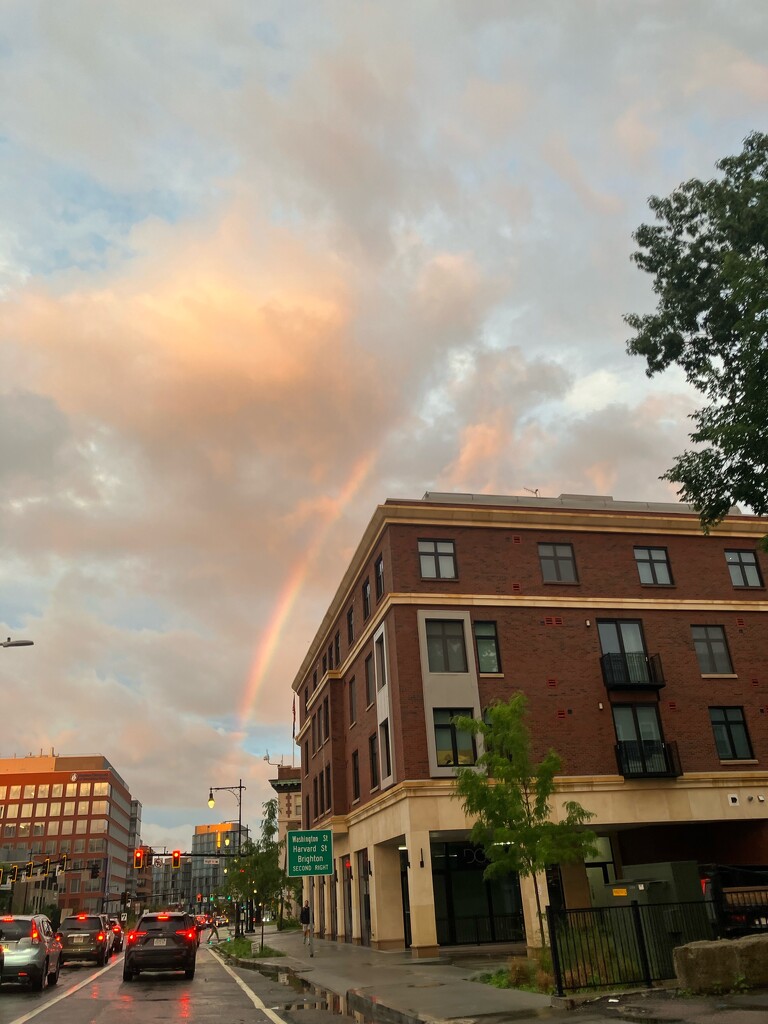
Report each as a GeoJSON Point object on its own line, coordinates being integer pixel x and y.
{"type": "Point", "coordinates": [602, 947]}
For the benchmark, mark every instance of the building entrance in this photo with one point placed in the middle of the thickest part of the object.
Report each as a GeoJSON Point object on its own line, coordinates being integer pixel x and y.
{"type": "Point", "coordinates": [468, 909]}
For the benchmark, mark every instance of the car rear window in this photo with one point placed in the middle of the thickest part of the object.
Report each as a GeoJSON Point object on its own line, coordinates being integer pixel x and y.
{"type": "Point", "coordinates": [14, 930]}
{"type": "Point", "coordinates": [163, 924]}
{"type": "Point", "coordinates": [76, 924]}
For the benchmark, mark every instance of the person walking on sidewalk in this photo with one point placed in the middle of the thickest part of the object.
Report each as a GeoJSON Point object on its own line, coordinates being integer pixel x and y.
{"type": "Point", "coordinates": [304, 919]}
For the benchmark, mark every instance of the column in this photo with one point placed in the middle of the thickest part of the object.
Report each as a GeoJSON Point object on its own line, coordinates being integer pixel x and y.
{"type": "Point", "coordinates": [386, 899]}
{"type": "Point", "coordinates": [421, 895]}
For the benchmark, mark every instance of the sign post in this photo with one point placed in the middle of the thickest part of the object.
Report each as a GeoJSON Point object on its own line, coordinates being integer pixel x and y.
{"type": "Point", "coordinates": [310, 853]}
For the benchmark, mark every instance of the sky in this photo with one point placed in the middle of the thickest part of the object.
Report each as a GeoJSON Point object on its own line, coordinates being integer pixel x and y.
{"type": "Point", "coordinates": [264, 265]}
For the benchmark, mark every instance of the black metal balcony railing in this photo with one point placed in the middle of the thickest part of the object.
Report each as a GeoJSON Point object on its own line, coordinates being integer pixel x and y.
{"type": "Point", "coordinates": [632, 671]}
{"type": "Point", "coordinates": [648, 759]}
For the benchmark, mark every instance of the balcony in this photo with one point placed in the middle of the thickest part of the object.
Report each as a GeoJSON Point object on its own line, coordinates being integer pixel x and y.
{"type": "Point", "coordinates": [648, 759]}
{"type": "Point", "coordinates": [632, 671]}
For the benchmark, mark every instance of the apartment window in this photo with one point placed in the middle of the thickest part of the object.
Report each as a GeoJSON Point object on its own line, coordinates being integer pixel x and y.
{"type": "Point", "coordinates": [712, 650]}
{"type": "Point", "coordinates": [379, 573]}
{"type": "Point", "coordinates": [55, 809]}
{"type": "Point", "coordinates": [53, 828]}
{"type": "Point", "coordinates": [71, 789]}
{"type": "Point", "coordinates": [307, 819]}
{"type": "Point", "coordinates": [69, 807]}
{"type": "Point", "coordinates": [25, 827]}
{"type": "Point", "coordinates": [351, 626]}
{"type": "Point", "coordinates": [29, 792]}
{"type": "Point", "coordinates": [437, 559]}
{"type": "Point", "coordinates": [330, 655]}
{"type": "Point", "coordinates": [326, 720]}
{"type": "Point", "coordinates": [328, 802]}
{"type": "Point", "coordinates": [9, 831]}
{"type": "Point", "coordinates": [731, 736]}
{"type": "Point", "coordinates": [42, 791]}
{"type": "Point", "coordinates": [314, 796]}
{"type": "Point", "coordinates": [99, 789]}
{"type": "Point", "coordinates": [26, 810]}
{"type": "Point", "coordinates": [337, 650]}
{"type": "Point", "coordinates": [85, 789]}
{"type": "Point", "coordinates": [325, 663]}
{"type": "Point", "coordinates": [624, 659]}
{"type": "Point", "coordinates": [314, 680]}
{"type": "Point", "coordinates": [557, 563]}
{"type": "Point", "coordinates": [314, 733]}
{"type": "Point", "coordinates": [369, 681]}
{"type": "Point", "coordinates": [487, 645]}
{"type": "Point", "coordinates": [41, 810]}
{"type": "Point", "coordinates": [373, 757]}
{"type": "Point", "coordinates": [446, 651]}
{"type": "Point", "coordinates": [305, 699]}
{"type": "Point", "coordinates": [381, 663]}
{"type": "Point", "coordinates": [453, 746]}
{"type": "Point", "coordinates": [12, 811]}
{"type": "Point", "coordinates": [14, 793]}
{"type": "Point", "coordinates": [306, 757]}
{"type": "Point", "coordinates": [355, 775]}
{"type": "Point", "coordinates": [386, 756]}
{"type": "Point", "coordinates": [653, 566]}
{"type": "Point", "coordinates": [743, 567]}
{"type": "Point", "coordinates": [367, 599]}
{"type": "Point", "coordinates": [322, 792]}
{"type": "Point", "coordinates": [352, 702]}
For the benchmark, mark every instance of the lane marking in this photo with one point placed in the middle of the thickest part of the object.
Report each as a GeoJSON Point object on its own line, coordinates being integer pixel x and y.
{"type": "Point", "coordinates": [274, 1017]}
{"type": "Point", "coordinates": [64, 995]}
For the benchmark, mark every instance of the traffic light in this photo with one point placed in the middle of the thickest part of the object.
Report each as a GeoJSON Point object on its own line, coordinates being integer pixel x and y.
{"type": "Point", "coordinates": [47, 865]}
{"type": "Point", "coordinates": [1, 876]}
{"type": "Point", "coordinates": [138, 859]}
{"type": "Point", "coordinates": [176, 859]}
{"type": "Point", "coordinates": [63, 862]}
{"type": "Point", "coordinates": [95, 868]}
{"type": "Point", "coordinates": [15, 873]}
{"type": "Point", "coordinates": [30, 868]}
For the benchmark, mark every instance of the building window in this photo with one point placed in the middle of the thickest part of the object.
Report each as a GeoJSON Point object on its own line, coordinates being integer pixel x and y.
{"type": "Point", "coordinates": [487, 645]}
{"type": "Point", "coordinates": [381, 663]}
{"type": "Point", "coordinates": [624, 659]}
{"type": "Point", "coordinates": [330, 655]}
{"type": "Point", "coordinates": [337, 650]}
{"type": "Point", "coordinates": [369, 681]}
{"type": "Point", "coordinates": [355, 775]}
{"type": "Point", "coordinates": [731, 736]}
{"type": "Point", "coordinates": [437, 559]}
{"type": "Point", "coordinates": [379, 574]}
{"type": "Point", "coordinates": [306, 757]}
{"type": "Point", "coordinates": [326, 720]}
{"type": "Point", "coordinates": [314, 733]}
{"type": "Point", "coordinates": [367, 599]}
{"type": "Point", "coordinates": [322, 793]}
{"type": "Point", "coordinates": [352, 702]}
{"type": "Point", "coordinates": [653, 566]}
{"type": "Point", "coordinates": [314, 796]}
{"type": "Point", "coordinates": [314, 680]}
{"type": "Point", "coordinates": [557, 563]}
{"type": "Point", "coordinates": [446, 651]}
{"type": "Point", "coordinates": [373, 757]}
{"type": "Point", "coordinates": [325, 663]}
{"type": "Point", "coordinates": [453, 746]}
{"type": "Point", "coordinates": [386, 757]}
{"type": "Point", "coordinates": [712, 650]}
{"type": "Point", "coordinates": [743, 567]}
{"type": "Point", "coordinates": [328, 802]}
{"type": "Point", "coordinates": [351, 626]}
{"type": "Point", "coordinates": [307, 819]}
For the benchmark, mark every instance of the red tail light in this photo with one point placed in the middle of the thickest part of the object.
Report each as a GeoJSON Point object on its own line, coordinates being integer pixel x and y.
{"type": "Point", "coordinates": [100, 937]}
{"type": "Point", "coordinates": [133, 936]}
{"type": "Point", "coordinates": [190, 934]}
{"type": "Point", "coordinates": [162, 917]}
{"type": "Point", "coordinates": [34, 934]}
{"type": "Point", "coordinates": [115, 928]}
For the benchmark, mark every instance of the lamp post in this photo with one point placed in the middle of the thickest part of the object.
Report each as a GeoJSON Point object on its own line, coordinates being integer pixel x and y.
{"type": "Point", "coordinates": [237, 793]}
{"type": "Point", "coordinates": [16, 643]}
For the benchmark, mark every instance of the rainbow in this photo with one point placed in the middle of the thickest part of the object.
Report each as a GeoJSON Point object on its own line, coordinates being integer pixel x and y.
{"type": "Point", "coordinates": [294, 582]}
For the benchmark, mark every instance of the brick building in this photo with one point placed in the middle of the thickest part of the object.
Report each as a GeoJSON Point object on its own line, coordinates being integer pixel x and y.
{"type": "Point", "coordinates": [78, 806]}
{"type": "Point", "coordinates": [641, 646]}
{"type": "Point", "coordinates": [287, 786]}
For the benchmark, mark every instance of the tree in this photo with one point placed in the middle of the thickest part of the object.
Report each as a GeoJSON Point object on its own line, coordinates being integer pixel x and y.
{"type": "Point", "coordinates": [511, 798]}
{"type": "Point", "coordinates": [709, 258]}
{"type": "Point", "coordinates": [255, 873]}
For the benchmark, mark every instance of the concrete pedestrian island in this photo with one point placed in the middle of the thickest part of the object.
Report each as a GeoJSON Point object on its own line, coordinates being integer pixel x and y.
{"type": "Point", "coordinates": [726, 965]}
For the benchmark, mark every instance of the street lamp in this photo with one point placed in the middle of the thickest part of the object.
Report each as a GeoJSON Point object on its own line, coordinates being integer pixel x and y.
{"type": "Point", "coordinates": [16, 643]}
{"type": "Point", "coordinates": [237, 793]}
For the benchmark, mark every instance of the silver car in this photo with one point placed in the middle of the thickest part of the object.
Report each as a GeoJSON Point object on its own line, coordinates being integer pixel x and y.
{"type": "Point", "coordinates": [32, 951]}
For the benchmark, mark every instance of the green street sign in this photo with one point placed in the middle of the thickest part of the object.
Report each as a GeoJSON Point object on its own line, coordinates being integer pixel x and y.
{"type": "Point", "coordinates": [310, 852]}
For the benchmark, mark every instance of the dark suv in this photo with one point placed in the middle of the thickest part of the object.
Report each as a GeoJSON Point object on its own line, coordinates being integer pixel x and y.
{"type": "Point", "coordinates": [85, 937]}
{"type": "Point", "coordinates": [163, 941]}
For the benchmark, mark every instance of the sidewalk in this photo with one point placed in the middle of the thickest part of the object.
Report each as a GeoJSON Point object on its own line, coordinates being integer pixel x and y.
{"type": "Point", "coordinates": [392, 988]}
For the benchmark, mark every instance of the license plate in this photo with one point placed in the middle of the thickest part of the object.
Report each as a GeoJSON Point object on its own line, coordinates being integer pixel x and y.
{"type": "Point", "coordinates": [159, 942]}
{"type": "Point", "coordinates": [80, 938]}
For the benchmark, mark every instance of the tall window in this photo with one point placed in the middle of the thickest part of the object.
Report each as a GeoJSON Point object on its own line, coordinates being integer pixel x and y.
{"type": "Point", "coordinates": [306, 757]}
{"type": "Point", "coordinates": [744, 569]}
{"type": "Point", "coordinates": [370, 690]}
{"type": "Point", "coordinates": [373, 757]}
{"type": "Point", "coordinates": [731, 736]}
{"type": "Point", "coordinates": [557, 563]}
{"type": "Point", "coordinates": [321, 785]}
{"type": "Point", "coordinates": [386, 757]}
{"type": "Point", "coordinates": [381, 663]}
{"type": "Point", "coordinates": [487, 644]}
{"type": "Point", "coordinates": [653, 566]}
{"type": "Point", "coordinates": [624, 659]}
{"type": "Point", "coordinates": [351, 626]}
{"type": "Point", "coordinates": [352, 702]}
{"type": "Point", "coordinates": [446, 651]}
{"type": "Point", "coordinates": [314, 796]}
{"type": "Point", "coordinates": [326, 720]}
{"type": "Point", "coordinates": [367, 599]}
{"type": "Point", "coordinates": [355, 775]}
{"type": "Point", "coordinates": [328, 801]}
{"type": "Point", "coordinates": [379, 572]}
{"type": "Point", "coordinates": [437, 559]}
{"type": "Point", "coordinates": [337, 650]}
{"type": "Point", "coordinates": [711, 650]}
{"type": "Point", "coordinates": [453, 746]}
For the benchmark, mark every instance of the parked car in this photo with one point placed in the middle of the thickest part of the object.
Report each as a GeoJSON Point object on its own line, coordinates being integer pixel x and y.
{"type": "Point", "coordinates": [31, 950]}
{"type": "Point", "coordinates": [164, 941]}
{"type": "Point", "coordinates": [86, 937]}
{"type": "Point", "coordinates": [118, 934]}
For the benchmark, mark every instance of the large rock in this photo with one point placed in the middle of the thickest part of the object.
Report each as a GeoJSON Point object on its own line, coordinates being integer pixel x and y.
{"type": "Point", "coordinates": [723, 965]}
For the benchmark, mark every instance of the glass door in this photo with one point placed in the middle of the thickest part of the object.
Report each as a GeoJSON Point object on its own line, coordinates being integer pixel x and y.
{"type": "Point", "coordinates": [623, 647]}
{"type": "Point", "coordinates": [638, 732]}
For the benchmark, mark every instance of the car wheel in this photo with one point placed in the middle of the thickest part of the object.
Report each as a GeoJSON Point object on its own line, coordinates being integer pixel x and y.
{"type": "Point", "coordinates": [127, 973]}
{"type": "Point", "coordinates": [53, 976]}
{"type": "Point", "coordinates": [38, 982]}
{"type": "Point", "coordinates": [101, 959]}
